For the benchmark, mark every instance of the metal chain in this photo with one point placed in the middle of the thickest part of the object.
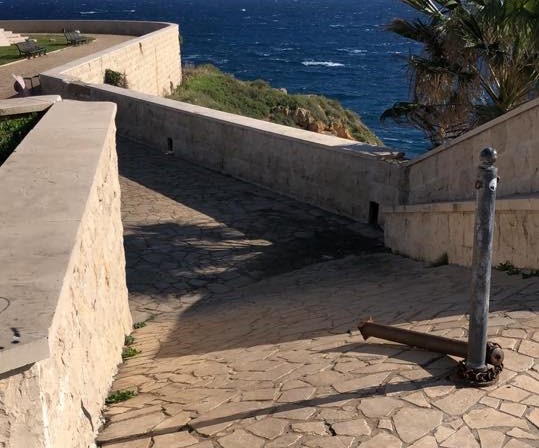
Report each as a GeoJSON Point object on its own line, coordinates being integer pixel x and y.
{"type": "Point", "coordinates": [479, 377]}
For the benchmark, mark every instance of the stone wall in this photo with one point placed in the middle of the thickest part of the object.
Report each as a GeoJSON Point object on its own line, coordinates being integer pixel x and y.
{"type": "Point", "coordinates": [448, 173]}
{"type": "Point", "coordinates": [432, 231]}
{"type": "Point", "coordinates": [64, 275]}
{"type": "Point", "coordinates": [333, 173]}
{"type": "Point", "coordinates": [150, 61]}
{"type": "Point", "coordinates": [426, 229]}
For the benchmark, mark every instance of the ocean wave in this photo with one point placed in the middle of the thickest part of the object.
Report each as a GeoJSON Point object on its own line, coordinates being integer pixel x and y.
{"type": "Point", "coordinates": [338, 25]}
{"type": "Point", "coordinates": [84, 13]}
{"type": "Point", "coordinates": [323, 63]}
{"type": "Point", "coordinates": [352, 50]}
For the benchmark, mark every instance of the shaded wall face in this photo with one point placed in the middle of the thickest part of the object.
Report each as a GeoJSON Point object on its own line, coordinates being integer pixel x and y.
{"type": "Point", "coordinates": [326, 171]}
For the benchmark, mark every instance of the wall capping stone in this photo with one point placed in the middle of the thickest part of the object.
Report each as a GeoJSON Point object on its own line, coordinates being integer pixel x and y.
{"type": "Point", "coordinates": [476, 131]}
{"type": "Point", "coordinates": [14, 106]}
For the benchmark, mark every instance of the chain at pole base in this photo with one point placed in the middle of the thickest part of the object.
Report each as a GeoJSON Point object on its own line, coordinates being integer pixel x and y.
{"type": "Point", "coordinates": [477, 377]}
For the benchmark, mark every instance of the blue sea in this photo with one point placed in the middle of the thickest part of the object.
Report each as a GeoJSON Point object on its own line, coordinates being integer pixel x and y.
{"type": "Point", "coordinates": [338, 48]}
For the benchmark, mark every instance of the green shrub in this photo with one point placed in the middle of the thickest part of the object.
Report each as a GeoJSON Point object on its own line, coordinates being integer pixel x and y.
{"type": "Point", "coordinates": [12, 132]}
{"type": "Point", "coordinates": [115, 78]}
{"type": "Point", "coordinates": [119, 396]}
{"type": "Point", "coordinates": [129, 352]}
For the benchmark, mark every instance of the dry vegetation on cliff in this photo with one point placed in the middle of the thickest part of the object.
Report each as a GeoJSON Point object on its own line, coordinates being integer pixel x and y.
{"type": "Point", "coordinates": [209, 87]}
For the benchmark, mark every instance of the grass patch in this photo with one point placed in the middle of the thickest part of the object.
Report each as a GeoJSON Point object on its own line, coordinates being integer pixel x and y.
{"type": "Point", "coordinates": [138, 325]}
{"type": "Point", "coordinates": [119, 396]}
{"type": "Point", "coordinates": [509, 268]}
{"type": "Point", "coordinates": [12, 132]}
{"type": "Point", "coordinates": [51, 42]}
{"type": "Point", "coordinates": [129, 340]}
{"type": "Point", "coordinates": [207, 86]}
{"type": "Point", "coordinates": [129, 352]}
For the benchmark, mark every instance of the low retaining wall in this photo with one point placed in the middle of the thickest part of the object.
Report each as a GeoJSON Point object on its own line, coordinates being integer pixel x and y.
{"type": "Point", "coordinates": [330, 172]}
{"type": "Point", "coordinates": [63, 295]}
{"type": "Point", "coordinates": [432, 231]}
{"type": "Point", "coordinates": [150, 61]}
{"type": "Point", "coordinates": [448, 173]}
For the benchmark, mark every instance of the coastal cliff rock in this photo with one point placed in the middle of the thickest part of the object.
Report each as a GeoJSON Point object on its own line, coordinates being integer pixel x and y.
{"type": "Point", "coordinates": [305, 119]}
{"type": "Point", "coordinates": [209, 87]}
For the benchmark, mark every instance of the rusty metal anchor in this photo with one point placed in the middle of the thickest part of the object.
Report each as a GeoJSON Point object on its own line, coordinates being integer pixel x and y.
{"type": "Point", "coordinates": [479, 354]}
{"type": "Point", "coordinates": [439, 344]}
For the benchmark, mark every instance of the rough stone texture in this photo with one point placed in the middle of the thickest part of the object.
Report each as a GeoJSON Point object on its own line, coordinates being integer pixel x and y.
{"type": "Point", "coordinates": [151, 60]}
{"type": "Point", "coordinates": [412, 424]}
{"type": "Point", "coordinates": [249, 302]}
{"type": "Point", "coordinates": [429, 231]}
{"type": "Point", "coordinates": [82, 307]}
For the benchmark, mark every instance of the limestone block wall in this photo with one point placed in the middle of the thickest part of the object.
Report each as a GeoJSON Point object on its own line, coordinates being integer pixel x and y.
{"type": "Point", "coordinates": [151, 60]}
{"type": "Point", "coordinates": [448, 173]}
{"type": "Point", "coordinates": [64, 275]}
{"type": "Point", "coordinates": [330, 172]}
{"type": "Point", "coordinates": [430, 231]}
{"type": "Point", "coordinates": [434, 220]}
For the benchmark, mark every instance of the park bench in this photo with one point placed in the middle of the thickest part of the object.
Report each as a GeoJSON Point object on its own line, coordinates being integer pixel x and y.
{"type": "Point", "coordinates": [30, 49]}
{"type": "Point", "coordinates": [75, 38]}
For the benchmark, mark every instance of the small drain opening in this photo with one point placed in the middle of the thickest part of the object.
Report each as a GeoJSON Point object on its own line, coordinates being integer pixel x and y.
{"type": "Point", "coordinates": [170, 146]}
{"type": "Point", "coordinates": [374, 209]}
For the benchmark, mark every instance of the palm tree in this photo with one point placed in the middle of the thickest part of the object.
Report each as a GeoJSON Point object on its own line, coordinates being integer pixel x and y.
{"type": "Point", "coordinates": [479, 59]}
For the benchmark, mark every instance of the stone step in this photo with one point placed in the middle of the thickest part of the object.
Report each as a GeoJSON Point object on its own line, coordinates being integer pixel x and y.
{"type": "Point", "coordinates": [14, 38]}
{"type": "Point", "coordinates": [4, 42]}
{"type": "Point", "coordinates": [8, 38]}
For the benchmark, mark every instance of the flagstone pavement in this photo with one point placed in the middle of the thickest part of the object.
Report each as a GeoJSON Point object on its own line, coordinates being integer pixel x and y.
{"type": "Point", "coordinates": [253, 301]}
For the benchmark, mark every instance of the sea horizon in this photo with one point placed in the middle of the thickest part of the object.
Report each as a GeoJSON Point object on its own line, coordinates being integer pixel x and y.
{"type": "Point", "coordinates": [336, 48]}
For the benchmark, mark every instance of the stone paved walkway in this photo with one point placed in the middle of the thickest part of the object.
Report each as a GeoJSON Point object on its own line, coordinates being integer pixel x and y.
{"type": "Point", "coordinates": [34, 66]}
{"type": "Point", "coordinates": [255, 300]}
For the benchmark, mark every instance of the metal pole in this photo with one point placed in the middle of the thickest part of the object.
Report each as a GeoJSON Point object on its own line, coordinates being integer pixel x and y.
{"type": "Point", "coordinates": [486, 185]}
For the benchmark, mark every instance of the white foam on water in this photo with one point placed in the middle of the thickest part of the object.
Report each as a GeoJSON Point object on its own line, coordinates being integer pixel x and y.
{"type": "Point", "coordinates": [323, 63]}
{"type": "Point", "coordinates": [352, 50]}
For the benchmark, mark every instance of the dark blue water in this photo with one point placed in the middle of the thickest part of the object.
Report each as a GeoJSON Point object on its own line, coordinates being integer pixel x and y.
{"type": "Point", "coordinates": [338, 48]}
